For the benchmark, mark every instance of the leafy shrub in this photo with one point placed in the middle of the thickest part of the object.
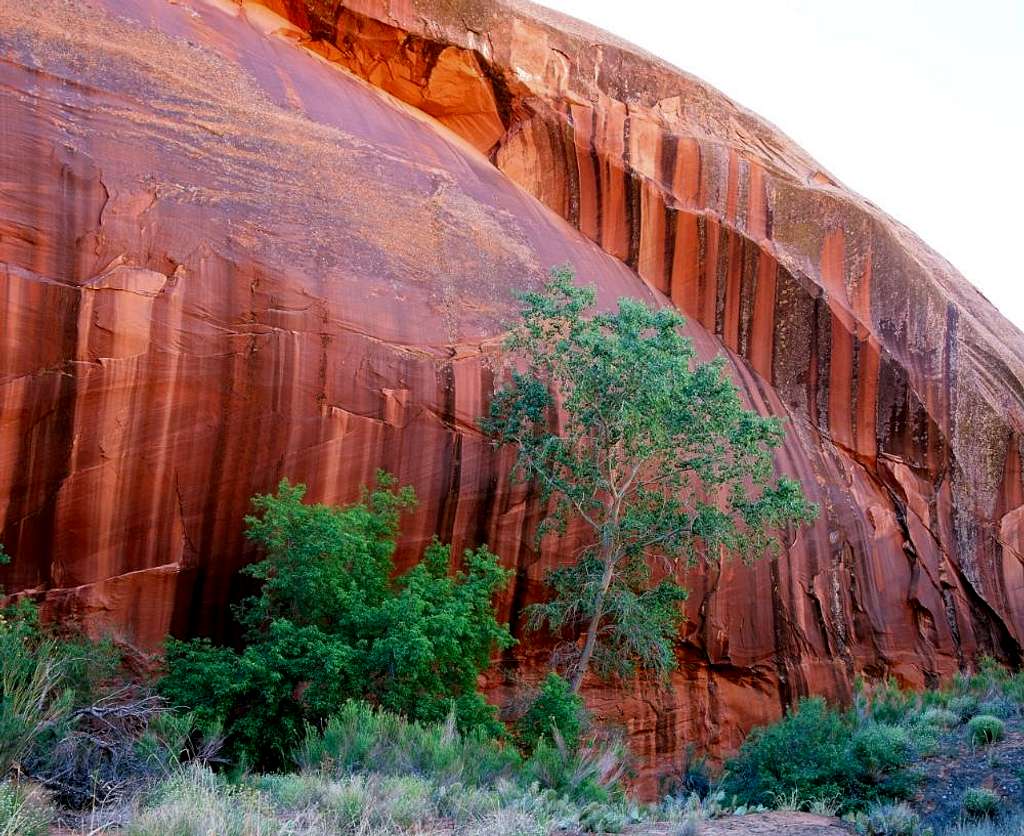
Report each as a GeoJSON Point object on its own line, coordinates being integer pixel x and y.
{"type": "Point", "coordinates": [980, 802]}
{"type": "Point", "coordinates": [22, 813]}
{"type": "Point", "coordinates": [882, 753]}
{"type": "Point", "coordinates": [816, 753]}
{"type": "Point", "coordinates": [331, 623]}
{"type": "Point", "coordinates": [985, 729]}
{"type": "Point", "coordinates": [807, 751]}
{"type": "Point", "coordinates": [556, 706]}
{"type": "Point", "coordinates": [889, 820]}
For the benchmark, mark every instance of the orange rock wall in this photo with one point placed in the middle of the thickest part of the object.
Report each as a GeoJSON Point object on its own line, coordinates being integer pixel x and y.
{"type": "Point", "coordinates": [241, 242]}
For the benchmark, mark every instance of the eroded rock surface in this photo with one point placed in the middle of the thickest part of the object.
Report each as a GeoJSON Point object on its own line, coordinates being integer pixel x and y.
{"type": "Point", "coordinates": [246, 241]}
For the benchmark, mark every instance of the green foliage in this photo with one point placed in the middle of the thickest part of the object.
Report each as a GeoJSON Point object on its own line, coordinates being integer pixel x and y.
{"type": "Point", "coordinates": [981, 802]}
{"type": "Point", "coordinates": [330, 624]}
{"type": "Point", "coordinates": [816, 753]}
{"type": "Point", "coordinates": [623, 431]}
{"type": "Point", "coordinates": [556, 706]}
{"type": "Point", "coordinates": [984, 729]}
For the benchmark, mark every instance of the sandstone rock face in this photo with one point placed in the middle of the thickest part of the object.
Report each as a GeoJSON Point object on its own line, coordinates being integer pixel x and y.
{"type": "Point", "coordinates": [246, 241]}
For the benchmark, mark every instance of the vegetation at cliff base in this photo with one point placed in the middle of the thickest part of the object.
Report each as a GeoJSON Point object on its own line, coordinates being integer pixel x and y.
{"type": "Point", "coordinates": [332, 623]}
{"type": "Point", "coordinates": [350, 702]}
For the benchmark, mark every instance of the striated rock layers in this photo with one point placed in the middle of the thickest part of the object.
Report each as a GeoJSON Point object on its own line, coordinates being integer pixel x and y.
{"type": "Point", "coordinates": [241, 242]}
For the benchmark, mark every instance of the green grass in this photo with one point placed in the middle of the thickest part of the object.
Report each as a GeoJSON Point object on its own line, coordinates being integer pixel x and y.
{"type": "Point", "coordinates": [23, 811]}
{"type": "Point", "coordinates": [372, 772]}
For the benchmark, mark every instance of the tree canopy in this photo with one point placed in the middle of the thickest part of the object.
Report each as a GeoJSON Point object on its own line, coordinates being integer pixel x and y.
{"type": "Point", "coordinates": [623, 431]}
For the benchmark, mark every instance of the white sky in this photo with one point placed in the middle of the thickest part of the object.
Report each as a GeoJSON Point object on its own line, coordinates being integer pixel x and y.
{"type": "Point", "coordinates": [916, 104]}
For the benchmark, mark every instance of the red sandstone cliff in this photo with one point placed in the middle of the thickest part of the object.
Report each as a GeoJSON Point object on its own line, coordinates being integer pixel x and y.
{"type": "Point", "coordinates": [239, 242]}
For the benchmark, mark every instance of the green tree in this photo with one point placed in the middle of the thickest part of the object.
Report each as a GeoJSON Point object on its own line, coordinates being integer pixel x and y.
{"type": "Point", "coordinates": [654, 453]}
{"type": "Point", "coordinates": [331, 623]}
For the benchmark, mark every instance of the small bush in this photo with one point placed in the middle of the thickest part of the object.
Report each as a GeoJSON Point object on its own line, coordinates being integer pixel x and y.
{"type": "Point", "coordinates": [985, 729]}
{"type": "Point", "coordinates": [554, 707]}
{"type": "Point", "coordinates": [980, 802]}
{"type": "Point", "coordinates": [881, 749]}
{"type": "Point", "coordinates": [693, 779]}
{"type": "Point", "coordinates": [965, 706]}
{"type": "Point", "coordinates": [889, 820]}
{"type": "Point", "coordinates": [940, 718]}
{"type": "Point", "coordinates": [891, 705]}
{"type": "Point", "coordinates": [999, 706]}
{"type": "Point", "coordinates": [589, 773]}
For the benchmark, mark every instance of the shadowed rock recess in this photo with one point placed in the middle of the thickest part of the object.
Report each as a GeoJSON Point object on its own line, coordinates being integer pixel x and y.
{"type": "Point", "coordinates": [244, 241]}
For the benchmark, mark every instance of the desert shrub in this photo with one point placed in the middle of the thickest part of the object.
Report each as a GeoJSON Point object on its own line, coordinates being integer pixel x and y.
{"type": "Point", "coordinates": [985, 728]}
{"type": "Point", "coordinates": [555, 706]}
{"type": "Point", "coordinates": [882, 753]}
{"type": "Point", "coordinates": [1012, 825]}
{"type": "Point", "coordinates": [109, 752]}
{"type": "Point", "coordinates": [1000, 706]}
{"type": "Point", "coordinates": [980, 802]}
{"type": "Point", "coordinates": [816, 753]}
{"type": "Point", "coordinates": [939, 718]}
{"type": "Point", "coordinates": [964, 706]}
{"type": "Point", "coordinates": [35, 695]}
{"type": "Point", "coordinates": [892, 705]}
{"type": "Point", "coordinates": [23, 812]}
{"type": "Point", "coordinates": [196, 802]}
{"type": "Point", "coordinates": [889, 820]}
{"type": "Point", "coordinates": [692, 825]}
{"type": "Point", "coordinates": [693, 779]}
{"type": "Point", "coordinates": [361, 739]}
{"type": "Point", "coordinates": [331, 623]}
{"type": "Point", "coordinates": [589, 773]}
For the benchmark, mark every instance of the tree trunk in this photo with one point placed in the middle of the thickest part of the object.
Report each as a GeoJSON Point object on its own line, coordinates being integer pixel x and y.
{"type": "Point", "coordinates": [592, 628]}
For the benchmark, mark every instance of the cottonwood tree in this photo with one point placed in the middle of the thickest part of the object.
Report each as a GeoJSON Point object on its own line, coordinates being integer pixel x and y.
{"type": "Point", "coordinates": [654, 453]}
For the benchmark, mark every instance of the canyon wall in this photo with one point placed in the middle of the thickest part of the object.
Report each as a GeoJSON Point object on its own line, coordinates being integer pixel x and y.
{"type": "Point", "coordinates": [246, 241]}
